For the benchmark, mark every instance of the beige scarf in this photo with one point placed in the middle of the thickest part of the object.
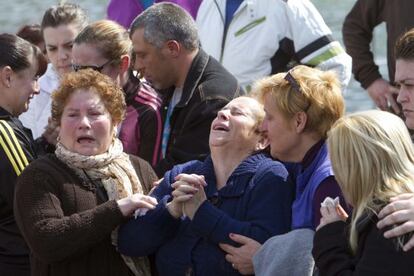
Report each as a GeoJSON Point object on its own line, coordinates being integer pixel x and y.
{"type": "Point", "coordinates": [114, 169]}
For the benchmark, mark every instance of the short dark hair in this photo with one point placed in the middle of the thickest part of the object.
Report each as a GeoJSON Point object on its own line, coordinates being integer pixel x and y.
{"type": "Point", "coordinates": [31, 33]}
{"type": "Point", "coordinates": [167, 21]}
{"type": "Point", "coordinates": [64, 14]}
{"type": "Point", "coordinates": [16, 53]}
{"type": "Point", "coordinates": [404, 47]}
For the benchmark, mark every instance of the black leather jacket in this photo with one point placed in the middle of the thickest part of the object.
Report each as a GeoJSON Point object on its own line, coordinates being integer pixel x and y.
{"type": "Point", "coordinates": [207, 88]}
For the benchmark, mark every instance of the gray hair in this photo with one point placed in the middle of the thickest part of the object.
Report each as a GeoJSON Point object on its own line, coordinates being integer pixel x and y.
{"type": "Point", "coordinates": [167, 21]}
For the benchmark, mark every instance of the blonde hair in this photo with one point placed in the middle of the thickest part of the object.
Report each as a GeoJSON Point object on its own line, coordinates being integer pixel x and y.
{"type": "Point", "coordinates": [373, 159]}
{"type": "Point", "coordinates": [110, 39]}
{"type": "Point", "coordinates": [110, 93]}
{"type": "Point", "coordinates": [318, 94]}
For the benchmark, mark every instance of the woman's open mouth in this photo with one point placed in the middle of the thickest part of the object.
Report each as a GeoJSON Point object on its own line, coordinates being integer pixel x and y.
{"type": "Point", "coordinates": [85, 139]}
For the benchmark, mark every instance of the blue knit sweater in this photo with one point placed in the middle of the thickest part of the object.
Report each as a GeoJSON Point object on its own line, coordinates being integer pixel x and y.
{"type": "Point", "coordinates": [255, 202]}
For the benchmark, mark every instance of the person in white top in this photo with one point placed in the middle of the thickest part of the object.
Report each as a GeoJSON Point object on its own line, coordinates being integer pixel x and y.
{"type": "Point", "coordinates": [60, 25]}
{"type": "Point", "coordinates": [256, 38]}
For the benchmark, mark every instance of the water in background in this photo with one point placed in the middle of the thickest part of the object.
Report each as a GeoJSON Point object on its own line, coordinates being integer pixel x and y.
{"type": "Point", "coordinates": [334, 12]}
{"type": "Point", "coordinates": [15, 13]}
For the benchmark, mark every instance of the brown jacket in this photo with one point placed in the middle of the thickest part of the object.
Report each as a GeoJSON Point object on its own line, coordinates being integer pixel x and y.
{"type": "Point", "coordinates": [358, 31]}
{"type": "Point", "coordinates": [65, 222]}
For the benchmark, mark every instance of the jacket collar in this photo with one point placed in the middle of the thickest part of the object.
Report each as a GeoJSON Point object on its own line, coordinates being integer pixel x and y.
{"type": "Point", "coordinates": [194, 76]}
{"type": "Point", "coordinates": [4, 113]}
{"type": "Point", "coordinates": [238, 180]}
{"type": "Point", "coordinates": [249, 4]}
{"type": "Point", "coordinates": [131, 86]}
{"type": "Point", "coordinates": [311, 154]}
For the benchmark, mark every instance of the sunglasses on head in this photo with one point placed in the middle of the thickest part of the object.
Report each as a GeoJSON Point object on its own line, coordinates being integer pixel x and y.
{"type": "Point", "coordinates": [292, 81]}
{"type": "Point", "coordinates": [295, 85]}
{"type": "Point", "coordinates": [77, 67]}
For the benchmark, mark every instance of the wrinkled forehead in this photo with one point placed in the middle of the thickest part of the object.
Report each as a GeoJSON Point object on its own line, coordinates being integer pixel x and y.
{"type": "Point", "coordinates": [246, 104]}
{"type": "Point", "coordinates": [86, 96]}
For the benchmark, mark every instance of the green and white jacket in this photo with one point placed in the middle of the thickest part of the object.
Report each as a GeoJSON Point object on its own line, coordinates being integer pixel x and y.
{"type": "Point", "coordinates": [269, 36]}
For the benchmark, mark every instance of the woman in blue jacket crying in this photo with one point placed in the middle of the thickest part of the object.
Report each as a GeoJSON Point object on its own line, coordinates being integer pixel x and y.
{"type": "Point", "coordinates": [237, 189]}
{"type": "Point", "coordinates": [301, 106]}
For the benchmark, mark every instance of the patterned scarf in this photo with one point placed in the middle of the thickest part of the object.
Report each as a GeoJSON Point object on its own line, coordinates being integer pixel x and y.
{"type": "Point", "coordinates": [117, 175]}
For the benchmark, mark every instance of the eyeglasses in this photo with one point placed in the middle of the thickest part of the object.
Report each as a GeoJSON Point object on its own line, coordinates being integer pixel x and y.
{"type": "Point", "coordinates": [77, 67]}
{"type": "Point", "coordinates": [292, 81]}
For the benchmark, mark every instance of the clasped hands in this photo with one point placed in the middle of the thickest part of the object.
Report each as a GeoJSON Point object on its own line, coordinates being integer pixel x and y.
{"type": "Point", "coordinates": [188, 195]}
